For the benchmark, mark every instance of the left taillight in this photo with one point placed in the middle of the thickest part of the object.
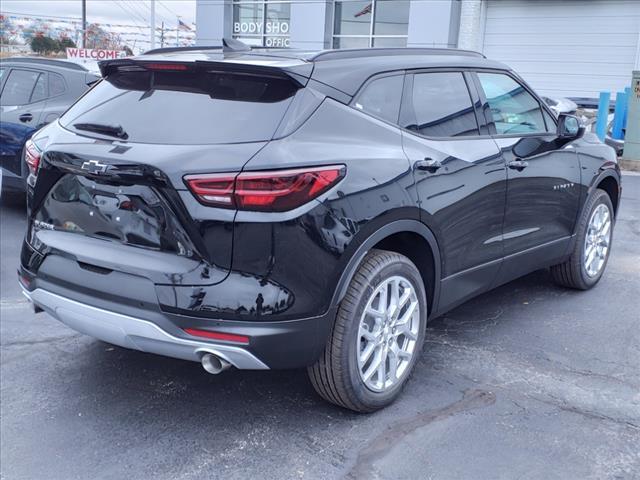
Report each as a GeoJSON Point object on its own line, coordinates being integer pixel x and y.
{"type": "Point", "coordinates": [32, 156]}
{"type": "Point", "coordinates": [265, 191]}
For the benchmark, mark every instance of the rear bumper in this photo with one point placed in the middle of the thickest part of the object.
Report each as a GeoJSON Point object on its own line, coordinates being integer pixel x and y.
{"type": "Point", "coordinates": [135, 333]}
{"type": "Point", "coordinates": [272, 345]}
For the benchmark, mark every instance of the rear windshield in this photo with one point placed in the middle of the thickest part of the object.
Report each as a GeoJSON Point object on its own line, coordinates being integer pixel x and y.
{"type": "Point", "coordinates": [184, 107]}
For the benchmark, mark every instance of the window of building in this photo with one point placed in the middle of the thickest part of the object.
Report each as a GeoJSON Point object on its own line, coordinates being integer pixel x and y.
{"type": "Point", "coordinates": [382, 97]}
{"type": "Point", "coordinates": [263, 23]}
{"type": "Point", "coordinates": [372, 23]}
{"type": "Point", "coordinates": [441, 106]}
{"type": "Point", "coordinates": [513, 108]}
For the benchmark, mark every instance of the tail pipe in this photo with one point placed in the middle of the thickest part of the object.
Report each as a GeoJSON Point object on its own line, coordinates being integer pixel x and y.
{"type": "Point", "coordinates": [214, 364]}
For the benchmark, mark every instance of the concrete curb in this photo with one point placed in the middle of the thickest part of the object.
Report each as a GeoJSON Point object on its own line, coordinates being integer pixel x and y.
{"type": "Point", "coordinates": [630, 165]}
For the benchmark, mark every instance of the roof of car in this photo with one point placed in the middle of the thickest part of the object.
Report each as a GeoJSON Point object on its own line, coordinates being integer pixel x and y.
{"type": "Point", "coordinates": [345, 69]}
{"type": "Point", "coordinates": [51, 62]}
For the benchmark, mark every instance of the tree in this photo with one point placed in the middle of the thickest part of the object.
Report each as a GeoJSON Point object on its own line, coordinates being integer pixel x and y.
{"type": "Point", "coordinates": [97, 37]}
{"type": "Point", "coordinates": [65, 42]}
{"type": "Point", "coordinates": [44, 45]}
{"type": "Point", "coordinates": [8, 30]}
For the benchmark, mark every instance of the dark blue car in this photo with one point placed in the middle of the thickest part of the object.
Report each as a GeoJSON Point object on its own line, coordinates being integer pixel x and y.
{"type": "Point", "coordinates": [35, 91]}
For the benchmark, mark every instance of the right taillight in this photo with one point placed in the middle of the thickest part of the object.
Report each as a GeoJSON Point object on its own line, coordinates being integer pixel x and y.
{"type": "Point", "coordinates": [32, 156]}
{"type": "Point", "coordinates": [266, 191]}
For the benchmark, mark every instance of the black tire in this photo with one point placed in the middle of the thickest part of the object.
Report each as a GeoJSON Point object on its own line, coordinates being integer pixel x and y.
{"type": "Point", "coordinates": [335, 376]}
{"type": "Point", "coordinates": [572, 273]}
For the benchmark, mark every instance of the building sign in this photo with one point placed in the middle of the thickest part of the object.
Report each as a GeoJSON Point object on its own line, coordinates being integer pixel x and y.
{"type": "Point", "coordinates": [262, 23]}
{"type": "Point", "coordinates": [83, 55]}
{"type": "Point", "coordinates": [257, 28]}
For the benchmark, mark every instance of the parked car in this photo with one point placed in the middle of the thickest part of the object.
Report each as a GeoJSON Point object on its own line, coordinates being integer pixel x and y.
{"type": "Point", "coordinates": [560, 105]}
{"type": "Point", "coordinates": [34, 92]}
{"type": "Point", "coordinates": [282, 209]}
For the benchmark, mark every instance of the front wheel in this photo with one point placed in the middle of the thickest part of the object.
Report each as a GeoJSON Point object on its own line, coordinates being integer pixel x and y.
{"type": "Point", "coordinates": [377, 336]}
{"type": "Point", "coordinates": [587, 262]}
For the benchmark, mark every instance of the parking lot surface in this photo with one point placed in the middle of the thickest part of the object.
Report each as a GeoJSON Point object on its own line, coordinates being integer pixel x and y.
{"type": "Point", "coordinates": [529, 381]}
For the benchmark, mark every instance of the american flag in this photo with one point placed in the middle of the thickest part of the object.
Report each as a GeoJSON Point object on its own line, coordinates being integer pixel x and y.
{"type": "Point", "coordinates": [364, 11]}
{"type": "Point", "coordinates": [183, 26]}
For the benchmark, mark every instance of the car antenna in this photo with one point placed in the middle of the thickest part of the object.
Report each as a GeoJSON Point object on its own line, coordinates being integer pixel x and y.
{"type": "Point", "coordinates": [231, 45]}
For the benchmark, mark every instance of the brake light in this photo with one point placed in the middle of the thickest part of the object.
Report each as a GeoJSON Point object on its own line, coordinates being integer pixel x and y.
{"type": "Point", "coordinates": [228, 337]}
{"type": "Point", "coordinates": [268, 191]}
{"type": "Point", "coordinates": [32, 156]}
{"type": "Point", "coordinates": [165, 66]}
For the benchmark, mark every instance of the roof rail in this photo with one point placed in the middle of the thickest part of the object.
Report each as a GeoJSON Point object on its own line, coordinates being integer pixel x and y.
{"type": "Point", "coordinates": [380, 52]}
{"type": "Point", "coordinates": [229, 45]}
{"type": "Point", "coordinates": [48, 61]}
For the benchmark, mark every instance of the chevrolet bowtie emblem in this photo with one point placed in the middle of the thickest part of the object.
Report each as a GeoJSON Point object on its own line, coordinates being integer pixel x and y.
{"type": "Point", "coordinates": [94, 166]}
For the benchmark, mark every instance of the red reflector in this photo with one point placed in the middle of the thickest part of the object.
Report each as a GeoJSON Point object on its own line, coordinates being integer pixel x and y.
{"type": "Point", "coordinates": [32, 156]}
{"type": "Point", "coordinates": [270, 191]}
{"type": "Point", "coordinates": [229, 337]}
{"type": "Point", "coordinates": [165, 66]}
{"type": "Point", "coordinates": [24, 280]}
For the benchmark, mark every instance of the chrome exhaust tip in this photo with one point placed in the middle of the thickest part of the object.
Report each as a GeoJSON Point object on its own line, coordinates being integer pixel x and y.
{"type": "Point", "coordinates": [214, 364]}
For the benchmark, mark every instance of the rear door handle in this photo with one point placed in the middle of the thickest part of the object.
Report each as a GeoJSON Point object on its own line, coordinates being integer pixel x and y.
{"type": "Point", "coordinates": [25, 117]}
{"type": "Point", "coordinates": [518, 164]}
{"type": "Point", "coordinates": [428, 165]}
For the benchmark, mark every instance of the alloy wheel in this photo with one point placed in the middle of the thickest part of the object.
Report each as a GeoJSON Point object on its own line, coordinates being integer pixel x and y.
{"type": "Point", "coordinates": [387, 334]}
{"type": "Point", "coordinates": [597, 240]}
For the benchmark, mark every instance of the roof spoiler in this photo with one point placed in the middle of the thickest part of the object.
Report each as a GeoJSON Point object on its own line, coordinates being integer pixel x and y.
{"type": "Point", "coordinates": [299, 76]}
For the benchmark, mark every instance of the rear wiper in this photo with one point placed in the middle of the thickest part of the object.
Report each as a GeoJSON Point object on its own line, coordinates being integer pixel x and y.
{"type": "Point", "coordinates": [110, 130]}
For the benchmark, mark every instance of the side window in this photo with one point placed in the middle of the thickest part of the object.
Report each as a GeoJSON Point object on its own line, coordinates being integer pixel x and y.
{"type": "Point", "coordinates": [550, 121]}
{"type": "Point", "coordinates": [441, 106]}
{"type": "Point", "coordinates": [56, 84]}
{"type": "Point", "coordinates": [18, 87]}
{"type": "Point", "coordinates": [40, 89]}
{"type": "Point", "coordinates": [381, 98]}
{"type": "Point", "coordinates": [514, 110]}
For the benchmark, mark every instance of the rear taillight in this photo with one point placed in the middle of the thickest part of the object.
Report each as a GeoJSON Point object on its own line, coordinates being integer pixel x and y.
{"type": "Point", "coordinates": [32, 156]}
{"type": "Point", "coordinates": [269, 191]}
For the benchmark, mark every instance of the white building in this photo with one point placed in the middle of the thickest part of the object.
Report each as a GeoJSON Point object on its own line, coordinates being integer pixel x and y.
{"type": "Point", "coordinates": [562, 47]}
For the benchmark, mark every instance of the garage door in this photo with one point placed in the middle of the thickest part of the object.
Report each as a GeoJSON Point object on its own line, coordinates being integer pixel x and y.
{"type": "Point", "coordinates": [566, 48]}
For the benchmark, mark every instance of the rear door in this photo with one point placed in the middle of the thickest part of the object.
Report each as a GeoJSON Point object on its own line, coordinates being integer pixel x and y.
{"type": "Point", "coordinates": [543, 174]}
{"type": "Point", "coordinates": [460, 178]}
{"type": "Point", "coordinates": [22, 101]}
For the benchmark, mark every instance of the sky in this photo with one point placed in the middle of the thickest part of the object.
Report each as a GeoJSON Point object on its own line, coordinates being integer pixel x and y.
{"type": "Point", "coordinates": [135, 12]}
{"type": "Point", "coordinates": [130, 19]}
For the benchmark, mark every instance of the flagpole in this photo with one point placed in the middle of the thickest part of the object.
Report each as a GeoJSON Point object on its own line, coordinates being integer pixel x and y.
{"type": "Point", "coordinates": [178, 32]}
{"type": "Point", "coordinates": [84, 23]}
{"type": "Point", "coordinates": [153, 24]}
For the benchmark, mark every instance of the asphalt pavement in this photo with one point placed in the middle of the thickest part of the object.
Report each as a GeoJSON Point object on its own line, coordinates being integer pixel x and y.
{"type": "Point", "coordinates": [530, 381]}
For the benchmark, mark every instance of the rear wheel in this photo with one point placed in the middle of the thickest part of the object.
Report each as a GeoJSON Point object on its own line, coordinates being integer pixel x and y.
{"type": "Point", "coordinates": [587, 262]}
{"type": "Point", "coordinates": [377, 336]}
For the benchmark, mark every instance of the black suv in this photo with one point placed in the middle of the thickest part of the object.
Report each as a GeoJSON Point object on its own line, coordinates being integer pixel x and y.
{"type": "Point", "coordinates": [282, 209]}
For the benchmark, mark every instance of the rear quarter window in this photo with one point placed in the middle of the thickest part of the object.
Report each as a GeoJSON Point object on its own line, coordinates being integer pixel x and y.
{"type": "Point", "coordinates": [57, 85]}
{"type": "Point", "coordinates": [381, 98]}
{"type": "Point", "coordinates": [186, 107]}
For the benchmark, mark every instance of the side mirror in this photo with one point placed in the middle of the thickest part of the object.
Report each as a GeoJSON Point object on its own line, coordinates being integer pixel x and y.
{"type": "Point", "coordinates": [569, 127]}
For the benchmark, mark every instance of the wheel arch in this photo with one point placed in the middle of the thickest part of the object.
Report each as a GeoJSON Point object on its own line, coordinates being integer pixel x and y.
{"type": "Point", "coordinates": [611, 185]}
{"type": "Point", "coordinates": [401, 236]}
